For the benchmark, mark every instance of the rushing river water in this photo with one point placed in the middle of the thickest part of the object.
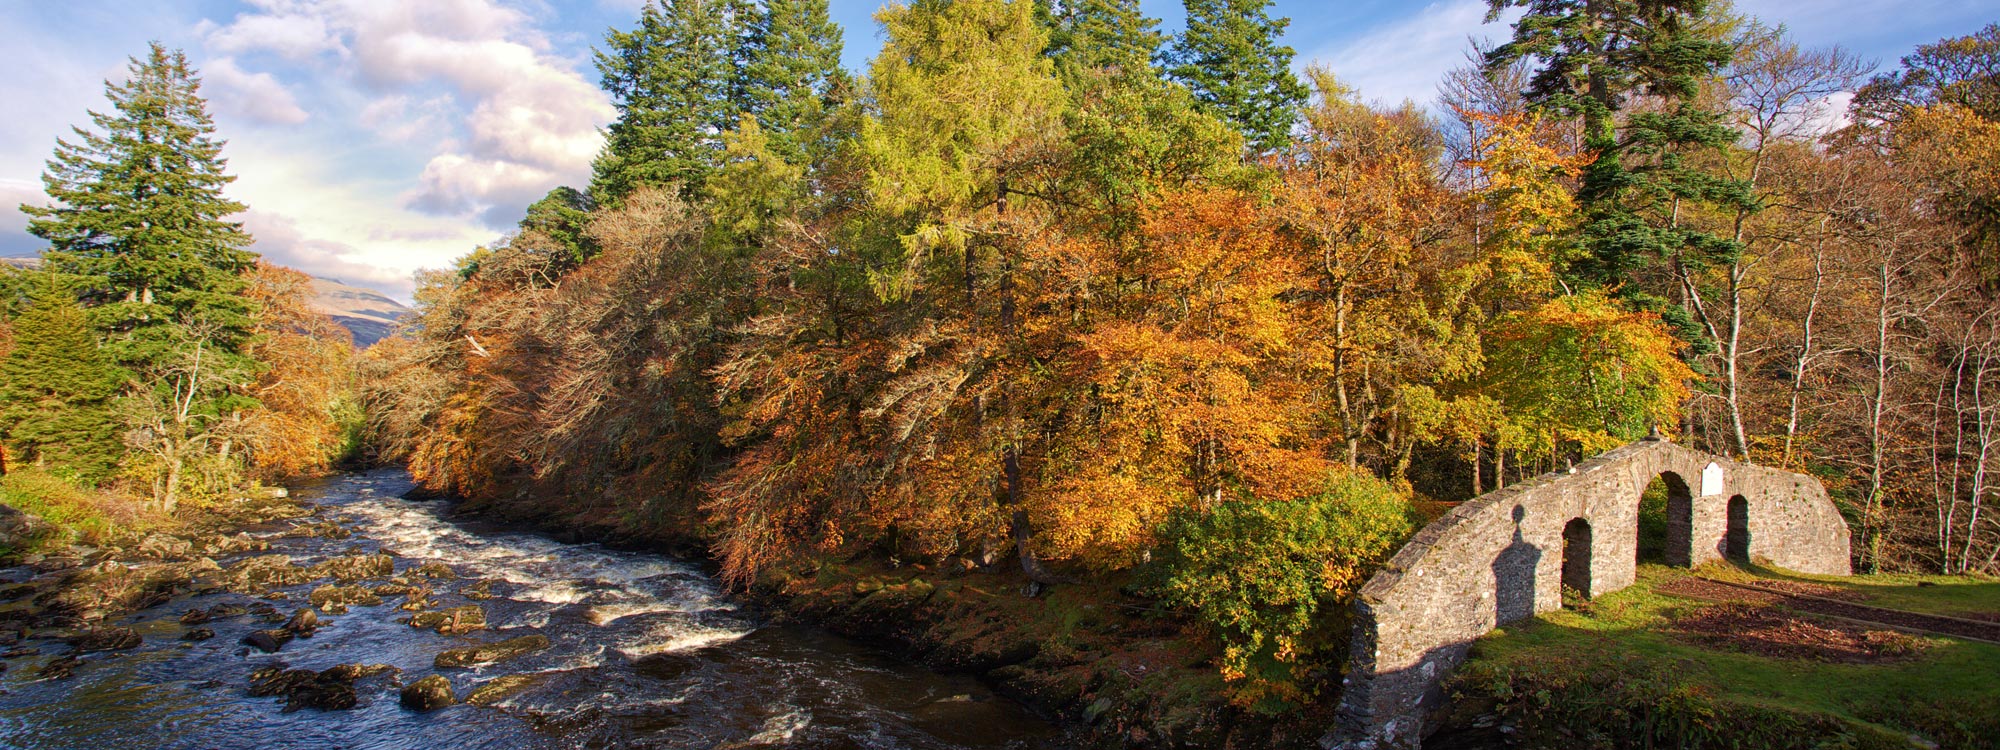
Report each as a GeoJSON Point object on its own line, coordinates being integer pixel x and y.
{"type": "Point", "coordinates": [647, 652]}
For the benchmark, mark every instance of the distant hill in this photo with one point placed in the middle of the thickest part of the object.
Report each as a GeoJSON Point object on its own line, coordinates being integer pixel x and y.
{"type": "Point", "coordinates": [367, 313]}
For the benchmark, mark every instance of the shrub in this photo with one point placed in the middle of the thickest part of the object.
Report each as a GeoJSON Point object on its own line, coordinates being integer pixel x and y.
{"type": "Point", "coordinates": [1268, 577]}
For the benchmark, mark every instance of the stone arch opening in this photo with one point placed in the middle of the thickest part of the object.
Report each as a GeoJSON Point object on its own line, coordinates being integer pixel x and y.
{"type": "Point", "coordinates": [1576, 560]}
{"type": "Point", "coordinates": [1666, 522]}
{"type": "Point", "coordinates": [1736, 540]}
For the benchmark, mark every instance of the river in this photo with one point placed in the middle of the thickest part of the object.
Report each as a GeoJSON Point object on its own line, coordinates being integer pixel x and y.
{"type": "Point", "coordinates": [647, 651]}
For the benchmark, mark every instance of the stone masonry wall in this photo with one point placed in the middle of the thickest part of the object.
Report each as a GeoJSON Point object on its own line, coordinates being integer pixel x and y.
{"type": "Point", "coordinates": [1499, 558]}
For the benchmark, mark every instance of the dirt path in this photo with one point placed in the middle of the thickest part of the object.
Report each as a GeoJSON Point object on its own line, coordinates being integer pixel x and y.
{"type": "Point", "coordinates": [1713, 590]}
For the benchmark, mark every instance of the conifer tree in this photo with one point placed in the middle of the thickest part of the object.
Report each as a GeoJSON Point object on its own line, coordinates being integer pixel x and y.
{"type": "Point", "coordinates": [791, 63]}
{"type": "Point", "coordinates": [1596, 59]}
{"type": "Point", "coordinates": [1230, 57]}
{"type": "Point", "coordinates": [141, 217]}
{"type": "Point", "coordinates": [57, 387]}
{"type": "Point", "coordinates": [670, 80]}
{"type": "Point", "coordinates": [1097, 34]}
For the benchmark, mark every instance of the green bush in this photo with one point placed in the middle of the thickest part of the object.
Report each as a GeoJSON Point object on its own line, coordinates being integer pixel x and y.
{"type": "Point", "coordinates": [1269, 577]}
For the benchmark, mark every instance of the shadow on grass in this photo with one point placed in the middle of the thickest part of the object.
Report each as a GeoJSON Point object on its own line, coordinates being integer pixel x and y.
{"type": "Point", "coordinates": [1615, 675]}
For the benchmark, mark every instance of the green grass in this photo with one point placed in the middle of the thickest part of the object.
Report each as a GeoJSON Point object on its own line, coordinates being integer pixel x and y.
{"type": "Point", "coordinates": [73, 513]}
{"type": "Point", "coordinates": [1955, 596]}
{"type": "Point", "coordinates": [1617, 647]}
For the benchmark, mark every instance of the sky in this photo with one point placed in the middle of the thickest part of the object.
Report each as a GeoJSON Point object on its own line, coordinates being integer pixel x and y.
{"type": "Point", "coordinates": [375, 138]}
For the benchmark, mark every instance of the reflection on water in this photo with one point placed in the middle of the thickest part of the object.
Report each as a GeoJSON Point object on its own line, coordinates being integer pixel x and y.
{"type": "Point", "coordinates": [647, 652]}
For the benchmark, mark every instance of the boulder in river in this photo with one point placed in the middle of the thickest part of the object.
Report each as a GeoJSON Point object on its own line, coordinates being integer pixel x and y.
{"type": "Point", "coordinates": [330, 689]}
{"type": "Point", "coordinates": [60, 668]}
{"type": "Point", "coordinates": [351, 568]}
{"type": "Point", "coordinates": [461, 619]}
{"type": "Point", "coordinates": [303, 622]}
{"type": "Point", "coordinates": [198, 634]}
{"type": "Point", "coordinates": [23, 591]}
{"type": "Point", "coordinates": [320, 530]}
{"type": "Point", "coordinates": [105, 639]}
{"type": "Point", "coordinates": [478, 592]}
{"type": "Point", "coordinates": [433, 569]}
{"type": "Point", "coordinates": [268, 641]}
{"type": "Point", "coordinates": [491, 652]}
{"type": "Point", "coordinates": [428, 694]}
{"type": "Point", "coordinates": [502, 687]}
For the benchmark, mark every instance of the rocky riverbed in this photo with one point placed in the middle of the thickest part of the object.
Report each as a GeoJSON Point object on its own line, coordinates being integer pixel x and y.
{"type": "Point", "coordinates": [361, 620]}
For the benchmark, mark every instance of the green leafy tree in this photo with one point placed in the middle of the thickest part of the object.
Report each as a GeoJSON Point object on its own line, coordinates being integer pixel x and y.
{"type": "Point", "coordinates": [1265, 575]}
{"type": "Point", "coordinates": [791, 66]}
{"type": "Point", "coordinates": [58, 386]}
{"type": "Point", "coordinates": [141, 217]}
{"type": "Point", "coordinates": [1597, 59]}
{"type": "Point", "coordinates": [1230, 57]}
{"type": "Point", "coordinates": [670, 78]}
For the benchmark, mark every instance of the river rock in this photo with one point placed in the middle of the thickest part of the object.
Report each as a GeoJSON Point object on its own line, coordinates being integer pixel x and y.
{"type": "Point", "coordinates": [258, 574]}
{"type": "Point", "coordinates": [334, 600]}
{"type": "Point", "coordinates": [428, 694]}
{"type": "Point", "coordinates": [478, 592]}
{"type": "Point", "coordinates": [433, 569]}
{"type": "Point", "coordinates": [501, 688]}
{"type": "Point", "coordinates": [353, 568]}
{"type": "Point", "coordinates": [16, 593]}
{"type": "Point", "coordinates": [220, 544]}
{"type": "Point", "coordinates": [60, 668]}
{"type": "Point", "coordinates": [321, 530]}
{"type": "Point", "coordinates": [198, 634]}
{"type": "Point", "coordinates": [268, 641]}
{"type": "Point", "coordinates": [303, 622]}
{"type": "Point", "coordinates": [461, 619]}
{"type": "Point", "coordinates": [491, 652]}
{"type": "Point", "coordinates": [105, 639]}
{"type": "Point", "coordinates": [393, 589]}
{"type": "Point", "coordinates": [330, 689]}
{"type": "Point", "coordinates": [164, 547]}
{"type": "Point", "coordinates": [108, 589]}
{"type": "Point", "coordinates": [418, 600]}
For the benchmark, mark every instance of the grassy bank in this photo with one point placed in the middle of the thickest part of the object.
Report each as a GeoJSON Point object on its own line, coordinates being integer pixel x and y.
{"type": "Point", "coordinates": [1646, 668]}
{"type": "Point", "coordinates": [65, 513]}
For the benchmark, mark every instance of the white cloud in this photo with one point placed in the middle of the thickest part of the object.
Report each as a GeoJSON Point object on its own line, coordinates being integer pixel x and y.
{"type": "Point", "coordinates": [14, 238]}
{"type": "Point", "coordinates": [1405, 60]}
{"type": "Point", "coordinates": [524, 119]}
{"type": "Point", "coordinates": [257, 96]}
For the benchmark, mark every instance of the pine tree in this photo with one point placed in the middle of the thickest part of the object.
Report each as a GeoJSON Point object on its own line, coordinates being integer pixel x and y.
{"type": "Point", "coordinates": [1596, 58]}
{"type": "Point", "coordinates": [1230, 56]}
{"type": "Point", "coordinates": [57, 387]}
{"type": "Point", "coordinates": [790, 67]}
{"type": "Point", "coordinates": [669, 78]}
{"type": "Point", "coordinates": [1098, 34]}
{"type": "Point", "coordinates": [140, 214]}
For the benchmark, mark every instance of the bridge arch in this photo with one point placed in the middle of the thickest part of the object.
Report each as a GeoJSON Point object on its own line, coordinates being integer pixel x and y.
{"type": "Point", "coordinates": [1507, 555]}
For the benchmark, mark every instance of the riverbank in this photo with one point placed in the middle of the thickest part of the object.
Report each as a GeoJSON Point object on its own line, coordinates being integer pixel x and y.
{"type": "Point", "coordinates": [1124, 672]}
{"type": "Point", "coordinates": [361, 619]}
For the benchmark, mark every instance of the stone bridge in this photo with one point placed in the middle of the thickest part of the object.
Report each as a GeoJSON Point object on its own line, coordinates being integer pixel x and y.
{"type": "Point", "coordinates": [1508, 555]}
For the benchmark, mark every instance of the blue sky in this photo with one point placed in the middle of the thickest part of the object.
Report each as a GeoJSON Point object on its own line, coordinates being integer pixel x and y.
{"type": "Point", "coordinates": [374, 138]}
